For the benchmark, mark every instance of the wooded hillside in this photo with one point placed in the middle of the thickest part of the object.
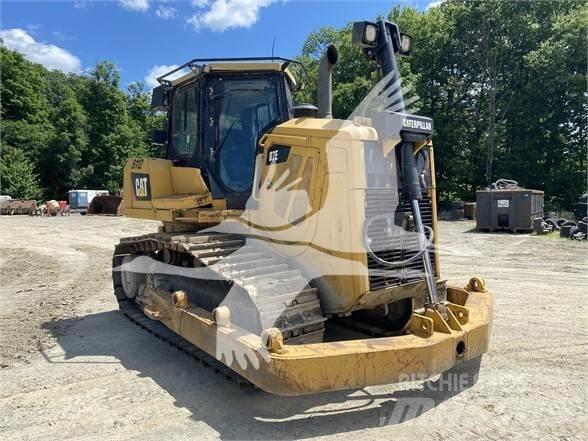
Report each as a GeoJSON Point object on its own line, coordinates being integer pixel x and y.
{"type": "Point", "coordinates": [504, 81]}
{"type": "Point", "coordinates": [64, 131]}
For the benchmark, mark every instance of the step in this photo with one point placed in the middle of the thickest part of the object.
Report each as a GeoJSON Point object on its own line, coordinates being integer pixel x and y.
{"type": "Point", "coordinates": [257, 271]}
{"type": "Point", "coordinates": [215, 252]}
{"type": "Point", "coordinates": [271, 279]}
{"type": "Point", "coordinates": [245, 256]}
{"type": "Point", "coordinates": [215, 244]}
{"type": "Point", "coordinates": [247, 264]}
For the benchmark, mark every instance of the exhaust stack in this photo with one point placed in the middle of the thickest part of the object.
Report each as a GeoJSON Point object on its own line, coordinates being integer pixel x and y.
{"type": "Point", "coordinates": [325, 82]}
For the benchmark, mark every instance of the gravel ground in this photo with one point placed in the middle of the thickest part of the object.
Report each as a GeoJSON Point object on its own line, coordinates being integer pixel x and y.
{"type": "Point", "coordinates": [71, 367]}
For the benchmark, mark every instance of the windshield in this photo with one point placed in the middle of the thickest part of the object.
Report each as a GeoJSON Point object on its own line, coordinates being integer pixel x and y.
{"type": "Point", "coordinates": [243, 107]}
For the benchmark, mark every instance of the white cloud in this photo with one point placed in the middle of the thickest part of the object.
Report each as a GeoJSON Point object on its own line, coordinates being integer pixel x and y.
{"type": "Point", "coordinates": [49, 55]}
{"type": "Point", "coordinates": [61, 36]}
{"type": "Point", "coordinates": [227, 14]}
{"type": "Point", "coordinates": [135, 5]}
{"type": "Point", "coordinates": [165, 13]}
{"type": "Point", "coordinates": [33, 29]}
{"type": "Point", "coordinates": [200, 3]}
{"type": "Point", "coordinates": [434, 4]}
{"type": "Point", "coordinates": [157, 71]}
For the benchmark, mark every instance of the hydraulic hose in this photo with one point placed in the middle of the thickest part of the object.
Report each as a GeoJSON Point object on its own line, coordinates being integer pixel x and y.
{"type": "Point", "coordinates": [412, 190]}
{"type": "Point", "coordinates": [395, 264]}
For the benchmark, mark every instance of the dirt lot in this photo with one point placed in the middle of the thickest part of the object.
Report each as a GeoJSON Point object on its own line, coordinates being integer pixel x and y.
{"type": "Point", "coordinates": [71, 367]}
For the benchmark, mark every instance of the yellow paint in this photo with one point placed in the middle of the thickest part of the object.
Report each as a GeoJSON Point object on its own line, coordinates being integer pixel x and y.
{"type": "Point", "coordinates": [321, 367]}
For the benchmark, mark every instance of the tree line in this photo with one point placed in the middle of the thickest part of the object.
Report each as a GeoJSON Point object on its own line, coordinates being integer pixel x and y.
{"type": "Point", "coordinates": [504, 81]}
{"type": "Point", "coordinates": [66, 131]}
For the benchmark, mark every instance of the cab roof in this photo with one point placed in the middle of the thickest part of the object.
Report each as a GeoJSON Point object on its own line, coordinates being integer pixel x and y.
{"type": "Point", "coordinates": [199, 67]}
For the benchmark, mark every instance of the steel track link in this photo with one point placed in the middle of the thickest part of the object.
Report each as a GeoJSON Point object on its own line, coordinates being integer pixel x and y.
{"type": "Point", "coordinates": [281, 293]}
{"type": "Point", "coordinates": [133, 313]}
{"type": "Point", "coordinates": [257, 269]}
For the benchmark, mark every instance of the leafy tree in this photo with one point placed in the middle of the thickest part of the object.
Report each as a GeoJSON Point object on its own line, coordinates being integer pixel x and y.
{"type": "Point", "coordinates": [24, 109]}
{"type": "Point", "coordinates": [17, 176]}
{"type": "Point", "coordinates": [353, 74]}
{"type": "Point", "coordinates": [112, 138]}
{"type": "Point", "coordinates": [547, 130]}
{"type": "Point", "coordinates": [504, 82]}
{"type": "Point", "coordinates": [60, 161]}
{"type": "Point", "coordinates": [143, 119]}
{"type": "Point", "coordinates": [21, 89]}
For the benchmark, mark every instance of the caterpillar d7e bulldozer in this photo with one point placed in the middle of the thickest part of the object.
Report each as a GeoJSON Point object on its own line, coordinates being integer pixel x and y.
{"type": "Point", "coordinates": [296, 252]}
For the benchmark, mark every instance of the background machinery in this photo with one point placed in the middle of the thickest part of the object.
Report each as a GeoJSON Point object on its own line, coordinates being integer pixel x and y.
{"type": "Point", "coordinates": [298, 250]}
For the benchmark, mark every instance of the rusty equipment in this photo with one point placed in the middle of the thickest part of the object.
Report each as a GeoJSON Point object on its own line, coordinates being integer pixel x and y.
{"type": "Point", "coordinates": [17, 206]}
{"type": "Point", "coordinates": [52, 207]}
{"type": "Point", "coordinates": [105, 205]}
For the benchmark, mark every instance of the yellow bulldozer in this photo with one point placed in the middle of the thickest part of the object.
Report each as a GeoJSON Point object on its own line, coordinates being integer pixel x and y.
{"type": "Point", "coordinates": [296, 252]}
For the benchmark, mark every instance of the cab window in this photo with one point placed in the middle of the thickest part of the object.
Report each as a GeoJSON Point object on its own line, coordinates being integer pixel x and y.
{"type": "Point", "coordinates": [243, 108]}
{"type": "Point", "coordinates": [185, 123]}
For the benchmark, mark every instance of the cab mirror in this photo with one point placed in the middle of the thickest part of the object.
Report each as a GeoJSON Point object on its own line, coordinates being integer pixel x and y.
{"type": "Point", "coordinates": [159, 137]}
{"type": "Point", "coordinates": [159, 98]}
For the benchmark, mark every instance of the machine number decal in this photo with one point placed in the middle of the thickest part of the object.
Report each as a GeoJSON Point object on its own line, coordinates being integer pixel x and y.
{"type": "Point", "coordinates": [137, 163]}
{"type": "Point", "coordinates": [141, 186]}
{"type": "Point", "coordinates": [277, 154]}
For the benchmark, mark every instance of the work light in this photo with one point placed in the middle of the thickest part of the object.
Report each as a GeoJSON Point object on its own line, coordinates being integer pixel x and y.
{"type": "Point", "coordinates": [364, 34]}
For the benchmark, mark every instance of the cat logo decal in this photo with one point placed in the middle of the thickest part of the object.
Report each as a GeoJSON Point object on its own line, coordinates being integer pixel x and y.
{"type": "Point", "coordinates": [141, 186]}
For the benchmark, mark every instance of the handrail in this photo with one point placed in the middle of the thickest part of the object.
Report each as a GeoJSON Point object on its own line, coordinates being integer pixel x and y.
{"type": "Point", "coordinates": [192, 63]}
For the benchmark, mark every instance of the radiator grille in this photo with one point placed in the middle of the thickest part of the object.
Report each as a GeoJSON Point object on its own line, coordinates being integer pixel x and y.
{"type": "Point", "coordinates": [388, 240]}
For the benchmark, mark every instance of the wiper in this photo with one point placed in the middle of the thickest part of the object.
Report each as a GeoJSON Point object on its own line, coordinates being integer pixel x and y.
{"type": "Point", "coordinates": [269, 126]}
{"type": "Point", "coordinates": [274, 122]}
{"type": "Point", "coordinates": [219, 146]}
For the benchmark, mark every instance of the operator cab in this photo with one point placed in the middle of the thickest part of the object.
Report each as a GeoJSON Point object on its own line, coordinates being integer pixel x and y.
{"type": "Point", "coordinates": [216, 115]}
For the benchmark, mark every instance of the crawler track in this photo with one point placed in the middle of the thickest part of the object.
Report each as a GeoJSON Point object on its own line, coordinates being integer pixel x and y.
{"type": "Point", "coordinates": [277, 291]}
{"type": "Point", "coordinates": [132, 311]}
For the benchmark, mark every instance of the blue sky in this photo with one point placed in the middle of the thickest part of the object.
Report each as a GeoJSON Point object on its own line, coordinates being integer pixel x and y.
{"type": "Point", "coordinates": [144, 37]}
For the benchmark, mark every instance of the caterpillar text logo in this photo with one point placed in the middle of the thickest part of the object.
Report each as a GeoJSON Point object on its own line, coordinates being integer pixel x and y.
{"type": "Point", "coordinates": [141, 186]}
{"type": "Point", "coordinates": [418, 124]}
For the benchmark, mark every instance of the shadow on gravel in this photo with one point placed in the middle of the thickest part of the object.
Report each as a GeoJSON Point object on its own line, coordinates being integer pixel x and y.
{"type": "Point", "coordinates": [238, 412]}
{"type": "Point", "coordinates": [476, 230]}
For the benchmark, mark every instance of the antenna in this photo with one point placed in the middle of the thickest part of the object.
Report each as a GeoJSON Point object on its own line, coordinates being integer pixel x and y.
{"type": "Point", "coordinates": [273, 46]}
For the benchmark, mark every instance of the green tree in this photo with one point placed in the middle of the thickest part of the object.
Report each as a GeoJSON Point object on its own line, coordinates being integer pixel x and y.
{"type": "Point", "coordinates": [353, 75]}
{"type": "Point", "coordinates": [545, 143]}
{"type": "Point", "coordinates": [504, 82]}
{"type": "Point", "coordinates": [60, 161]}
{"type": "Point", "coordinates": [21, 89]}
{"type": "Point", "coordinates": [112, 138]}
{"type": "Point", "coordinates": [17, 175]}
{"type": "Point", "coordinates": [143, 119]}
{"type": "Point", "coordinates": [24, 110]}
